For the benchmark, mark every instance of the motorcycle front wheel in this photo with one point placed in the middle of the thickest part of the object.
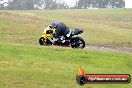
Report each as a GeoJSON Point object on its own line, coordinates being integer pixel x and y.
{"type": "Point", "coordinates": [41, 41]}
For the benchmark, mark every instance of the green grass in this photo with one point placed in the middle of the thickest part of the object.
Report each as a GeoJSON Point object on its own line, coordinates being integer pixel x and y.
{"type": "Point", "coordinates": [24, 66]}
{"type": "Point", "coordinates": [103, 26]}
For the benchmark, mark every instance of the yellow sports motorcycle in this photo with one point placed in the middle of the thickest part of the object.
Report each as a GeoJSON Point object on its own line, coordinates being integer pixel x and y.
{"type": "Point", "coordinates": [73, 41]}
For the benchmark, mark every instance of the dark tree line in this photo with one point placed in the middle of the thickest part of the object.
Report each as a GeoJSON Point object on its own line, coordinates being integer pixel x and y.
{"type": "Point", "coordinates": [59, 4]}
{"type": "Point", "coordinates": [33, 4]}
{"type": "Point", "coordinates": [100, 4]}
{"type": "Point", "coordinates": [21, 4]}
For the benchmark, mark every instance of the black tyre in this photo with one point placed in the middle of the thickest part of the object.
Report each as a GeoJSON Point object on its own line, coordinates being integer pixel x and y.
{"type": "Point", "coordinates": [41, 41]}
{"type": "Point", "coordinates": [77, 42]}
{"type": "Point", "coordinates": [47, 43]}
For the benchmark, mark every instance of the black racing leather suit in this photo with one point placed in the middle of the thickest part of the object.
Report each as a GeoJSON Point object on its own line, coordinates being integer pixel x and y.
{"type": "Point", "coordinates": [61, 30]}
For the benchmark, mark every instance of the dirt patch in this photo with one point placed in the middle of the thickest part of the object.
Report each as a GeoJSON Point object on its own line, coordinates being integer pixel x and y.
{"type": "Point", "coordinates": [110, 48]}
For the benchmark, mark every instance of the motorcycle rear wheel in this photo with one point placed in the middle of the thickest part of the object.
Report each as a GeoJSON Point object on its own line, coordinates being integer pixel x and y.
{"type": "Point", "coordinates": [77, 42]}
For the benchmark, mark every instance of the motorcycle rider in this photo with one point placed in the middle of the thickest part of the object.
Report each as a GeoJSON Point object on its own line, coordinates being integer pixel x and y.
{"type": "Point", "coordinates": [61, 31]}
